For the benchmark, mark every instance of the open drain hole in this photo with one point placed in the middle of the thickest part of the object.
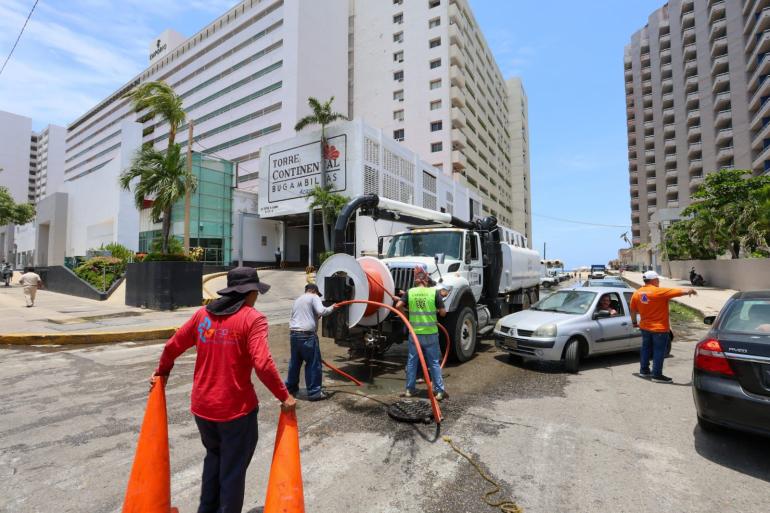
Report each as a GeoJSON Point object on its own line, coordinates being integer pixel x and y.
{"type": "Point", "coordinates": [411, 410]}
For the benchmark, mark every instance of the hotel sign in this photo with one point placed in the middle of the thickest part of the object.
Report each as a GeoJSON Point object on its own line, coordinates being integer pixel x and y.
{"type": "Point", "coordinates": [292, 173]}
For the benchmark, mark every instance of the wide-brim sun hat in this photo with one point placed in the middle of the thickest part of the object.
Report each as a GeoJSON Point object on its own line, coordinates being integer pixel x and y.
{"type": "Point", "coordinates": [243, 280]}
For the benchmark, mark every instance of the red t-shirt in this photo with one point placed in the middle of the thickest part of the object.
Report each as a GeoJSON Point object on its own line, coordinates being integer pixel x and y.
{"type": "Point", "coordinates": [228, 347]}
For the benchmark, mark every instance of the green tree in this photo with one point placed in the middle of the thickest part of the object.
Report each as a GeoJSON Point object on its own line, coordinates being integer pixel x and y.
{"type": "Point", "coordinates": [163, 178]}
{"type": "Point", "coordinates": [330, 204]}
{"type": "Point", "coordinates": [322, 115]}
{"type": "Point", "coordinates": [160, 100]}
{"type": "Point", "coordinates": [12, 212]}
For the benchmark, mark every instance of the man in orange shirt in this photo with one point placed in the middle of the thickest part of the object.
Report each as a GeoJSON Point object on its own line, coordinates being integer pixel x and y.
{"type": "Point", "coordinates": [651, 303]}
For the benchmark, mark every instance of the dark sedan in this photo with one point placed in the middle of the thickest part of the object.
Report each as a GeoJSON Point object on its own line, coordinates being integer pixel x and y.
{"type": "Point", "coordinates": [731, 369]}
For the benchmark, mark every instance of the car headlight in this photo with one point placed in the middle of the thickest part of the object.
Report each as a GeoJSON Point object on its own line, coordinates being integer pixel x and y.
{"type": "Point", "coordinates": [445, 290]}
{"type": "Point", "coordinates": [546, 330]}
{"type": "Point", "coordinates": [499, 324]}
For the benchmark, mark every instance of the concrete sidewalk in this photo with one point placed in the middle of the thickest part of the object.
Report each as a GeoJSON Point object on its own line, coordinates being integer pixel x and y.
{"type": "Point", "coordinates": [63, 319]}
{"type": "Point", "coordinates": [708, 301]}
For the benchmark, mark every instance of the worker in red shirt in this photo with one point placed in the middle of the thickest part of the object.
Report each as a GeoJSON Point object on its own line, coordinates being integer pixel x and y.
{"type": "Point", "coordinates": [651, 303]}
{"type": "Point", "coordinates": [230, 337]}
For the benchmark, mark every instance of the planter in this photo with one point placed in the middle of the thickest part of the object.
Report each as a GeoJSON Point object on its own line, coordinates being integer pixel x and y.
{"type": "Point", "coordinates": [164, 285]}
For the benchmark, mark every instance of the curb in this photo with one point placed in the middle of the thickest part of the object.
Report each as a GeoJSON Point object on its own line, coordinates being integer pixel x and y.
{"type": "Point", "coordinates": [28, 339]}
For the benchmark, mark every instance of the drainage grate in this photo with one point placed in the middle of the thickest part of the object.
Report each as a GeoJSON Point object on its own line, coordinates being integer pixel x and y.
{"type": "Point", "coordinates": [411, 410]}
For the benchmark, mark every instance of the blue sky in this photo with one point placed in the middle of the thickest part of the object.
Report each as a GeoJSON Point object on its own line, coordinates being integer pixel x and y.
{"type": "Point", "coordinates": [569, 54]}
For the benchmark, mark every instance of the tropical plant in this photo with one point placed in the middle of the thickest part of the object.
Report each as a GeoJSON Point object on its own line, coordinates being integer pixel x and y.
{"type": "Point", "coordinates": [118, 251]}
{"type": "Point", "coordinates": [163, 178]}
{"type": "Point", "coordinates": [161, 100]}
{"type": "Point", "coordinates": [101, 272]}
{"type": "Point", "coordinates": [12, 212]}
{"type": "Point", "coordinates": [330, 204]}
{"type": "Point", "coordinates": [197, 253]}
{"type": "Point", "coordinates": [322, 115]}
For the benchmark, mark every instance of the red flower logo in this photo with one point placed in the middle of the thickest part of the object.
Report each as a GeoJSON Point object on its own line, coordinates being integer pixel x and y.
{"type": "Point", "coordinates": [331, 152]}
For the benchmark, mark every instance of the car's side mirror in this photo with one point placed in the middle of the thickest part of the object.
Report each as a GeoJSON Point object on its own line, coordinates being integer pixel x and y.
{"type": "Point", "coordinates": [709, 319]}
{"type": "Point", "coordinates": [602, 314]}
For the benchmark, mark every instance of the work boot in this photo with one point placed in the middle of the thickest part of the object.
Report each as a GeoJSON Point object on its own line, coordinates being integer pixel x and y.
{"type": "Point", "coordinates": [440, 396]}
{"type": "Point", "coordinates": [406, 393]}
{"type": "Point", "coordinates": [320, 397]}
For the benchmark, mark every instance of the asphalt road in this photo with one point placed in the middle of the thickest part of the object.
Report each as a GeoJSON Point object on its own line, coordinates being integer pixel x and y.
{"type": "Point", "coordinates": [599, 441]}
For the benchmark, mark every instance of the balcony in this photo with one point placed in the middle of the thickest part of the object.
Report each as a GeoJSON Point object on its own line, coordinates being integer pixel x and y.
{"type": "Point", "coordinates": [717, 10]}
{"type": "Point", "coordinates": [670, 157]}
{"type": "Point", "coordinates": [665, 39]}
{"type": "Point", "coordinates": [688, 35]}
{"type": "Point", "coordinates": [723, 136]}
{"type": "Point", "coordinates": [758, 76]}
{"type": "Point", "coordinates": [672, 204]}
{"type": "Point", "coordinates": [629, 73]}
{"type": "Point", "coordinates": [670, 143]}
{"type": "Point", "coordinates": [651, 195]}
{"type": "Point", "coordinates": [668, 115]}
{"type": "Point", "coordinates": [649, 124]}
{"type": "Point", "coordinates": [651, 181]}
{"type": "Point", "coordinates": [649, 142]}
{"type": "Point", "coordinates": [645, 58]}
{"type": "Point", "coordinates": [693, 117]}
{"type": "Point", "coordinates": [691, 84]}
{"type": "Point", "coordinates": [647, 101]}
{"type": "Point", "coordinates": [458, 117]}
{"type": "Point", "coordinates": [688, 17]}
{"type": "Point", "coordinates": [668, 100]}
{"type": "Point", "coordinates": [756, 102]}
{"type": "Point", "coordinates": [669, 130]}
{"type": "Point", "coordinates": [721, 101]}
{"type": "Point", "coordinates": [672, 187]}
{"type": "Point", "coordinates": [758, 137]}
{"type": "Point", "coordinates": [458, 139]}
{"type": "Point", "coordinates": [724, 153]}
{"type": "Point", "coordinates": [457, 96]}
{"type": "Point", "coordinates": [455, 35]}
{"type": "Point", "coordinates": [695, 181]}
{"type": "Point", "coordinates": [649, 155]}
{"type": "Point", "coordinates": [747, 7]}
{"type": "Point", "coordinates": [689, 52]}
{"type": "Point", "coordinates": [721, 83]}
{"type": "Point", "coordinates": [459, 161]}
{"type": "Point", "coordinates": [723, 118]}
{"type": "Point", "coordinates": [691, 67]}
{"type": "Point", "coordinates": [667, 85]}
{"type": "Point", "coordinates": [456, 76]}
{"type": "Point", "coordinates": [695, 165]}
{"type": "Point", "coordinates": [646, 73]}
{"type": "Point", "coordinates": [646, 87]}
{"type": "Point", "coordinates": [758, 46]}
{"type": "Point", "coordinates": [693, 133]}
{"type": "Point", "coordinates": [720, 64]}
{"type": "Point", "coordinates": [757, 24]}
{"type": "Point", "coordinates": [671, 174]}
{"type": "Point", "coordinates": [692, 100]}
{"type": "Point", "coordinates": [718, 28]}
{"type": "Point", "coordinates": [665, 55]}
{"type": "Point", "coordinates": [760, 159]}
{"type": "Point", "coordinates": [456, 56]}
{"type": "Point", "coordinates": [694, 149]}
{"type": "Point", "coordinates": [718, 46]}
{"type": "Point", "coordinates": [649, 169]}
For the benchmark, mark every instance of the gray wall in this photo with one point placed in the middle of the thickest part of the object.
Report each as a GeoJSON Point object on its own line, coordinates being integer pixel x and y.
{"type": "Point", "coordinates": [742, 274]}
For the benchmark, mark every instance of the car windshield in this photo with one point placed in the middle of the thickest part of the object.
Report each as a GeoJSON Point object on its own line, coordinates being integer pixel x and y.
{"type": "Point", "coordinates": [567, 301]}
{"type": "Point", "coordinates": [606, 283]}
{"type": "Point", "coordinates": [748, 316]}
{"type": "Point", "coordinates": [426, 244]}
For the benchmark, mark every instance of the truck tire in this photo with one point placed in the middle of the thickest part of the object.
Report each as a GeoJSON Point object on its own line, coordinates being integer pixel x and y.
{"type": "Point", "coordinates": [572, 356]}
{"type": "Point", "coordinates": [462, 327]}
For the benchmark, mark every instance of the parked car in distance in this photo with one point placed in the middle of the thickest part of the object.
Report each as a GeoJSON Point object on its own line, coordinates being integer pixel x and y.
{"type": "Point", "coordinates": [731, 368]}
{"type": "Point", "coordinates": [569, 326]}
{"type": "Point", "coordinates": [607, 281]}
{"type": "Point", "coordinates": [548, 281]}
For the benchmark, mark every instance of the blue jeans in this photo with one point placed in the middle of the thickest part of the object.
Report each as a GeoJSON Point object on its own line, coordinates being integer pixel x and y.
{"type": "Point", "coordinates": [432, 353]}
{"type": "Point", "coordinates": [304, 348]}
{"type": "Point", "coordinates": [655, 343]}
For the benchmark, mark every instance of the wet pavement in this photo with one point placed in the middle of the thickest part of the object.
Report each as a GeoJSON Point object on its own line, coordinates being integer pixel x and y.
{"type": "Point", "coordinates": [602, 440]}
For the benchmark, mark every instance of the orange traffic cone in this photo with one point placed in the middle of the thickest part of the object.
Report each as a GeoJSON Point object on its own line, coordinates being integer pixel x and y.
{"type": "Point", "coordinates": [284, 488]}
{"type": "Point", "coordinates": [149, 487]}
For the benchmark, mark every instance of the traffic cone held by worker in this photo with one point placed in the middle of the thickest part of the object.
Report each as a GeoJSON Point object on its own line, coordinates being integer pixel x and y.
{"type": "Point", "coordinates": [284, 488]}
{"type": "Point", "coordinates": [149, 487]}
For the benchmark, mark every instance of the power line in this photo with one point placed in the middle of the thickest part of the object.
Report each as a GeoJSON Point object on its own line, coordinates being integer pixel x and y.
{"type": "Point", "coordinates": [20, 33]}
{"type": "Point", "coordinates": [582, 222]}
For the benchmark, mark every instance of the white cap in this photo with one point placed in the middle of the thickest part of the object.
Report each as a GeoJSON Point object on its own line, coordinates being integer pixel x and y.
{"type": "Point", "coordinates": [650, 275]}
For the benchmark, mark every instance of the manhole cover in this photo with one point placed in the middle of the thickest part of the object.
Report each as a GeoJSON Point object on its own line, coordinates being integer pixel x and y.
{"type": "Point", "coordinates": [411, 410]}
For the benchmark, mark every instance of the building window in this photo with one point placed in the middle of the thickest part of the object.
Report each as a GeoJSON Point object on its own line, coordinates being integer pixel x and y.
{"type": "Point", "coordinates": [433, 3]}
{"type": "Point", "coordinates": [398, 76]}
{"type": "Point", "coordinates": [435, 63]}
{"type": "Point", "coordinates": [398, 95]}
{"type": "Point", "coordinates": [436, 146]}
{"type": "Point", "coordinates": [264, 240]}
{"type": "Point", "coordinates": [435, 105]}
{"type": "Point", "coordinates": [398, 135]}
{"type": "Point", "coordinates": [398, 56]}
{"type": "Point", "coordinates": [435, 22]}
{"type": "Point", "coordinates": [433, 43]}
{"type": "Point", "coordinates": [435, 126]}
{"type": "Point", "coordinates": [398, 37]}
{"type": "Point", "coordinates": [398, 115]}
{"type": "Point", "coordinates": [398, 18]}
{"type": "Point", "coordinates": [435, 84]}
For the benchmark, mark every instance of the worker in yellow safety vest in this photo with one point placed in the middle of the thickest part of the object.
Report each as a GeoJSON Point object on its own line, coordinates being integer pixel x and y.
{"type": "Point", "coordinates": [423, 303]}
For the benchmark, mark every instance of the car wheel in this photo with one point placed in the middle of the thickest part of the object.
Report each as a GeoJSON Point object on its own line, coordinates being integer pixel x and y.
{"type": "Point", "coordinates": [572, 356]}
{"type": "Point", "coordinates": [707, 425]}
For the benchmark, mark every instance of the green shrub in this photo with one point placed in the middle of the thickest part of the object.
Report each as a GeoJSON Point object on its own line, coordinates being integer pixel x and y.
{"type": "Point", "coordinates": [324, 255]}
{"type": "Point", "coordinates": [101, 272]}
{"type": "Point", "coordinates": [175, 246]}
{"type": "Point", "coordinates": [160, 257]}
{"type": "Point", "coordinates": [119, 251]}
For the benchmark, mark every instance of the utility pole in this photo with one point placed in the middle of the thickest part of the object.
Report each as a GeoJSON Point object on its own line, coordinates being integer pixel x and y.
{"type": "Point", "coordinates": [187, 198]}
{"type": "Point", "coordinates": [544, 251]}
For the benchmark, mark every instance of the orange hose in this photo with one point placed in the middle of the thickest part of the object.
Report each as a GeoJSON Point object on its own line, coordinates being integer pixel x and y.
{"type": "Point", "coordinates": [433, 402]}
{"type": "Point", "coordinates": [341, 373]}
{"type": "Point", "coordinates": [448, 343]}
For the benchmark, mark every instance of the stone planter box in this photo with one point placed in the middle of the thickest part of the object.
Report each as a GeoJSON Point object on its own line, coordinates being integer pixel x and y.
{"type": "Point", "coordinates": [164, 285]}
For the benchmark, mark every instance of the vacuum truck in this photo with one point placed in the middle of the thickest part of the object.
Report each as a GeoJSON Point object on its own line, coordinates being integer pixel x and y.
{"type": "Point", "coordinates": [483, 278]}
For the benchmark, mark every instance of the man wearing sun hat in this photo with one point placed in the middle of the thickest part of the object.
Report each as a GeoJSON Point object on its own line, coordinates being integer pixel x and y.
{"type": "Point", "coordinates": [651, 303]}
{"type": "Point", "coordinates": [230, 338]}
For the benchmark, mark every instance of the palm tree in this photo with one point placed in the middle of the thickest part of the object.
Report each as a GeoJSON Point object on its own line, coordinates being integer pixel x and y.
{"type": "Point", "coordinates": [330, 205]}
{"type": "Point", "coordinates": [160, 99]}
{"type": "Point", "coordinates": [322, 115]}
{"type": "Point", "coordinates": [164, 178]}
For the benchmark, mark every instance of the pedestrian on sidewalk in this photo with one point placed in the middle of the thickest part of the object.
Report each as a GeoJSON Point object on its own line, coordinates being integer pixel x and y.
{"type": "Point", "coordinates": [30, 282]}
{"type": "Point", "coordinates": [650, 302]}
{"type": "Point", "coordinates": [278, 258]}
{"type": "Point", "coordinates": [423, 304]}
{"type": "Point", "coordinates": [303, 336]}
{"type": "Point", "coordinates": [230, 338]}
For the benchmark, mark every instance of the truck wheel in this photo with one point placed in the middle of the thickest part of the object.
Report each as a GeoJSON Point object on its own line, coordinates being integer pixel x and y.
{"type": "Point", "coordinates": [462, 327]}
{"type": "Point", "coordinates": [572, 356]}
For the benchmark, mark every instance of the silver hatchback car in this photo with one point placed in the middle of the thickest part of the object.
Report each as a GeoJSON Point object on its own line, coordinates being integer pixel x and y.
{"type": "Point", "coordinates": [571, 325]}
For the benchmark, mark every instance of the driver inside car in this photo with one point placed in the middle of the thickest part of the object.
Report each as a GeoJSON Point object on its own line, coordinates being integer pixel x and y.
{"type": "Point", "coordinates": [605, 303]}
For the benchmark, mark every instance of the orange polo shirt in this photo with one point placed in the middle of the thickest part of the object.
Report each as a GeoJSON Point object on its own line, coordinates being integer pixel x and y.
{"type": "Point", "coordinates": [651, 303]}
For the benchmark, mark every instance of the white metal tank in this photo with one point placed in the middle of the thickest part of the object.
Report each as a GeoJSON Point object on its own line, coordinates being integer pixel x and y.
{"type": "Point", "coordinates": [521, 268]}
